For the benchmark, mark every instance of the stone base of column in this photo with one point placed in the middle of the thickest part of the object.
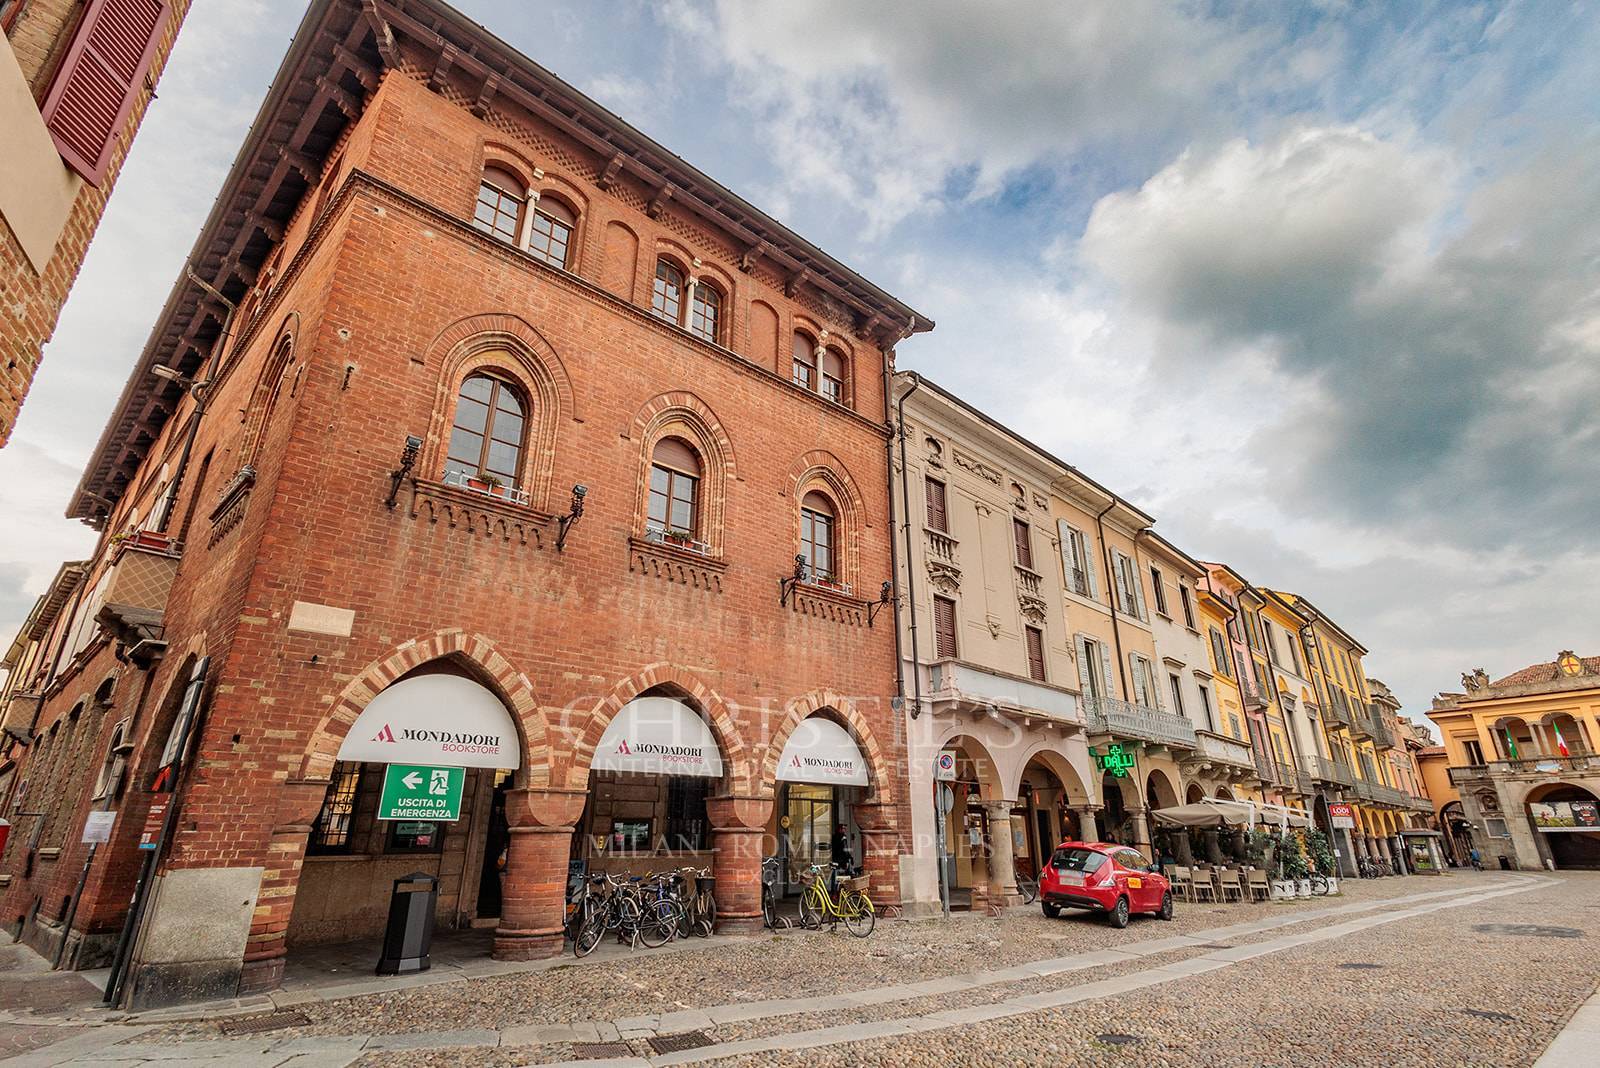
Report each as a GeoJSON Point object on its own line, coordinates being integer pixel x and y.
{"type": "Point", "coordinates": [262, 973]}
{"type": "Point", "coordinates": [527, 945]}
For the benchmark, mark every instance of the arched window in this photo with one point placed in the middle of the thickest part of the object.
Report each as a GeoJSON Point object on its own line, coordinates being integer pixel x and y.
{"type": "Point", "coordinates": [817, 537]}
{"type": "Point", "coordinates": [111, 768]}
{"type": "Point", "coordinates": [551, 231]}
{"type": "Point", "coordinates": [490, 428]}
{"type": "Point", "coordinates": [805, 362]}
{"type": "Point", "coordinates": [666, 299]}
{"type": "Point", "coordinates": [705, 314]}
{"type": "Point", "coordinates": [831, 384]}
{"type": "Point", "coordinates": [674, 507]}
{"type": "Point", "coordinates": [500, 202]}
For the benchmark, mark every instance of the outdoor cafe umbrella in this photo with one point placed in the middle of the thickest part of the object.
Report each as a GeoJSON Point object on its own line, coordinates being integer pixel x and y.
{"type": "Point", "coordinates": [1218, 813]}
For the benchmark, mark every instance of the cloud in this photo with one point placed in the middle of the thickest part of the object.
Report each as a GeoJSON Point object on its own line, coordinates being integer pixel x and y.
{"type": "Point", "coordinates": [1449, 339]}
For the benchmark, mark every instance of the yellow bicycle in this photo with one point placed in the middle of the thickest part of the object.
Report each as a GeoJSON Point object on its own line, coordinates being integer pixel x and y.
{"type": "Point", "coordinates": [850, 904]}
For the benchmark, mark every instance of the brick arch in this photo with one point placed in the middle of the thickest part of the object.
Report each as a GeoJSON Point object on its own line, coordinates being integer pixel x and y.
{"type": "Point", "coordinates": [484, 662]}
{"type": "Point", "coordinates": [825, 701]}
{"type": "Point", "coordinates": [268, 389]}
{"type": "Point", "coordinates": [574, 765]}
{"type": "Point", "coordinates": [681, 413]}
{"type": "Point", "coordinates": [508, 343]}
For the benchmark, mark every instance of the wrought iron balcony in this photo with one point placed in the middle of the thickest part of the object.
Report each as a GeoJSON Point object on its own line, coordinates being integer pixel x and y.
{"type": "Point", "coordinates": [135, 588]}
{"type": "Point", "coordinates": [1365, 790]}
{"type": "Point", "coordinates": [677, 539]}
{"type": "Point", "coordinates": [1322, 769]}
{"type": "Point", "coordinates": [1078, 582]}
{"type": "Point", "coordinates": [1338, 710]}
{"type": "Point", "coordinates": [1124, 719]}
{"type": "Point", "coordinates": [1266, 767]}
{"type": "Point", "coordinates": [1381, 736]}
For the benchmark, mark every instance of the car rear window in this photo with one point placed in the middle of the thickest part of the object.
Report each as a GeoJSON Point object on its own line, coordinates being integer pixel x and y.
{"type": "Point", "coordinates": [1084, 860]}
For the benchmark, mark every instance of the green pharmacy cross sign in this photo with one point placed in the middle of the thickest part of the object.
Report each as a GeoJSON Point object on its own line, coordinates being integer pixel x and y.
{"type": "Point", "coordinates": [1116, 760]}
{"type": "Point", "coordinates": [418, 792]}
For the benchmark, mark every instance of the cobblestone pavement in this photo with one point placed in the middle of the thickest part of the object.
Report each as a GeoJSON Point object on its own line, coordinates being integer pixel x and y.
{"type": "Point", "coordinates": [1392, 971]}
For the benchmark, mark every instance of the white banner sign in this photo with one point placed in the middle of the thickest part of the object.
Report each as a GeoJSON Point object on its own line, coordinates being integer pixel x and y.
{"type": "Point", "coordinates": [439, 720]}
{"type": "Point", "coordinates": [658, 736]}
{"type": "Point", "coordinates": [97, 826]}
{"type": "Point", "coordinates": [821, 751]}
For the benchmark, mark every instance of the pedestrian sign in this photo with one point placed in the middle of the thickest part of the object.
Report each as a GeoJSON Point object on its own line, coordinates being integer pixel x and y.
{"type": "Point", "coordinates": [417, 792]}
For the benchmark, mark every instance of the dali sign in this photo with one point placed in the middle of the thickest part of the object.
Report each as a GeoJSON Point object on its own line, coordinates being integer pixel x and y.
{"type": "Point", "coordinates": [1116, 760]}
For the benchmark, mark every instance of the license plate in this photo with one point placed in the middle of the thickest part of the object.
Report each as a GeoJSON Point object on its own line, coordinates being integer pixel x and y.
{"type": "Point", "coordinates": [1071, 878]}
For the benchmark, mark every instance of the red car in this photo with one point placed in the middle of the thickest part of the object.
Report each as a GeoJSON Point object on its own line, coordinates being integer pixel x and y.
{"type": "Point", "coordinates": [1106, 877]}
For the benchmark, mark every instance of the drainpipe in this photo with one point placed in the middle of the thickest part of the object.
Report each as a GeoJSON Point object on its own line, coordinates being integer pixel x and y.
{"type": "Point", "coordinates": [199, 391]}
{"type": "Point", "coordinates": [905, 530]}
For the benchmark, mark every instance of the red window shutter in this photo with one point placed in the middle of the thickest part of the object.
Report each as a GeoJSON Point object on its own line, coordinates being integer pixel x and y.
{"type": "Point", "coordinates": [1035, 653]}
{"type": "Point", "coordinates": [93, 91]}
{"type": "Point", "coordinates": [936, 514]}
{"type": "Point", "coordinates": [944, 627]}
{"type": "Point", "coordinates": [1019, 531]}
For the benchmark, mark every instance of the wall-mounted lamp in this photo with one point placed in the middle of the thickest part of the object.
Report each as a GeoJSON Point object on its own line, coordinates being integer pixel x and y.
{"type": "Point", "coordinates": [579, 492]}
{"type": "Point", "coordinates": [408, 460]}
{"type": "Point", "coordinates": [786, 585]}
{"type": "Point", "coordinates": [885, 596]}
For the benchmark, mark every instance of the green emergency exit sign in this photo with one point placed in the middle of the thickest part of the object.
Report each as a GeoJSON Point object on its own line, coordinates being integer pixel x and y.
{"type": "Point", "coordinates": [417, 792]}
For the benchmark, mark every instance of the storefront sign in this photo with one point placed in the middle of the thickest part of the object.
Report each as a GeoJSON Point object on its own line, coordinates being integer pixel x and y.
{"type": "Point", "coordinates": [436, 720]}
{"type": "Point", "coordinates": [821, 751]}
{"type": "Point", "coordinates": [658, 736]}
{"type": "Point", "coordinates": [419, 792]}
{"type": "Point", "coordinates": [1585, 815]}
{"type": "Point", "coordinates": [944, 766]}
{"type": "Point", "coordinates": [153, 820]}
{"type": "Point", "coordinates": [1115, 760]}
{"type": "Point", "coordinates": [97, 826]}
{"type": "Point", "coordinates": [1342, 815]}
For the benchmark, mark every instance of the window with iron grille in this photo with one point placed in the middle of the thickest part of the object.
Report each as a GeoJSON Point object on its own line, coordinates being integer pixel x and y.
{"type": "Point", "coordinates": [331, 831]}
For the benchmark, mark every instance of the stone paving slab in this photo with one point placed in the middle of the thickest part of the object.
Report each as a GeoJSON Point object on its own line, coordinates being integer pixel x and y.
{"type": "Point", "coordinates": [1576, 1045]}
{"type": "Point", "coordinates": [434, 1039]}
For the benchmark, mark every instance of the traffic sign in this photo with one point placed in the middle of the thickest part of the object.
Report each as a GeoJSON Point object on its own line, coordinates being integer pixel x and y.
{"type": "Point", "coordinates": [944, 766]}
{"type": "Point", "coordinates": [419, 792]}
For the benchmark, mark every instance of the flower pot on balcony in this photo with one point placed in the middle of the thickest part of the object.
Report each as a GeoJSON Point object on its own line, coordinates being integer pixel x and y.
{"type": "Point", "coordinates": [149, 539]}
{"type": "Point", "coordinates": [492, 486]}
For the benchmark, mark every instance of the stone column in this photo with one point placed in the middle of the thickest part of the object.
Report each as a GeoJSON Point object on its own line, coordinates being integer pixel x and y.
{"type": "Point", "coordinates": [1002, 862]}
{"type": "Point", "coordinates": [1185, 848]}
{"type": "Point", "coordinates": [299, 801]}
{"type": "Point", "coordinates": [1141, 831]}
{"type": "Point", "coordinates": [737, 826]}
{"type": "Point", "coordinates": [880, 847]}
{"type": "Point", "coordinates": [533, 894]}
{"type": "Point", "coordinates": [1213, 840]}
{"type": "Point", "coordinates": [1088, 824]}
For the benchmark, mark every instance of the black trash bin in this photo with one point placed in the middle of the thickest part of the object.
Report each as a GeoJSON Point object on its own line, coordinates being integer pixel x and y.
{"type": "Point", "coordinates": [410, 932]}
{"type": "Point", "coordinates": [1505, 862]}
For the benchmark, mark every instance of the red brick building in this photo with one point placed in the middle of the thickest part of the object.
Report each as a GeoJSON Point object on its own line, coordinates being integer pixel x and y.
{"type": "Point", "coordinates": [439, 290]}
{"type": "Point", "coordinates": [75, 80]}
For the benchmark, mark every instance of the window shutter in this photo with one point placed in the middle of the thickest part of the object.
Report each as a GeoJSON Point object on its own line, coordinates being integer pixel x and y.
{"type": "Point", "coordinates": [1064, 536]}
{"type": "Point", "coordinates": [1035, 653]}
{"type": "Point", "coordinates": [1085, 678]}
{"type": "Point", "coordinates": [1089, 568]}
{"type": "Point", "coordinates": [1024, 543]}
{"type": "Point", "coordinates": [1139, 695]}
{"type": "Point", "coordinates": [937, 518]}
{"type": "Point", "coordinates": [93, 91]}
{"type": "Point", "coordinates": [944, 627]}
{"type": "Point", "coordinates": [1138, 591]}
{"type": "Point", "coordinates": [1105, 667]}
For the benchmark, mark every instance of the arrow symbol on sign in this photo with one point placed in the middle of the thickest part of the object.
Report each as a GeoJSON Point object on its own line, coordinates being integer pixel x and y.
{"type": "Point", "coordinates": [413, 780]}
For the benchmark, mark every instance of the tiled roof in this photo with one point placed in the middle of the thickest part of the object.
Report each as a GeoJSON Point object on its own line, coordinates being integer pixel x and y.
{"type": "Point", "coordinates": [1546, 672]}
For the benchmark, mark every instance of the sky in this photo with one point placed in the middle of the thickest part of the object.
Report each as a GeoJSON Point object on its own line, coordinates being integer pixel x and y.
{"type": "Point", "coordinates": [1317, 284]}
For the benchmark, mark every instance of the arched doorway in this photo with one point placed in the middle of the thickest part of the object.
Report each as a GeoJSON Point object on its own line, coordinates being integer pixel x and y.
{"type": "Point", "coordinates": [654, 768]}
{"type": "Point", "coordinates": [974, 787]}
{"type": "Point", "coordinates": [1166, 843]}
{"type": "Point", "coordinates": [1457, 834]}
{"type": "Point", "coordinates": [1195, 795]}
{"type": "Point", "coordinates": [1567, 821]}
{"type": "Point", "coordinates": [820, 776]}
{"type": "Point", "coordinates": [418, 784]}
{"type": "Point", "coordinates": [1049, 797]}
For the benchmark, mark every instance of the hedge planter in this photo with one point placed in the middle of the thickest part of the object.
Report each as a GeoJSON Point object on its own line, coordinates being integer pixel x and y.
{"type": "Point", "coordinates": [1303, 888]}
{"type": "Point", "coordinates": [1283, 889]}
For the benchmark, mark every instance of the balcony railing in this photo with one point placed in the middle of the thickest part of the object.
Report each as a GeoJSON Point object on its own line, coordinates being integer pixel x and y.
{"type": "Point", "coordinates": [1029, 581]}
{"type": "Point", "coordinates": [1324, 770]}
{"type": "Point", "coordinates": [1364, 790]}
{"type": "Point", "coordinates": [941, 546]}
{"type": "Point", "coordinates": [969, 686]}
{"type": "Point", "coordinates": [489, 489]}
{"type": "Point", "coordinates": [1078, 582]}
{"type": "Point", "coordinates": [134, 601]}
{"type": "Point", "coordinates": [1468, 773]}
{"type": "Point", "coordinates": [1266, 767]}
{"type": "Point", "coordinates": [1338, 710]}
{"type": "Point", "coordinates": [678, 540]}
{"type": "Point", "coordinates": [1531, 765]}
{"type": "Point", "coordinates": [1221, 748]}
{"type": "Point", "coordinates": [1107, 715]}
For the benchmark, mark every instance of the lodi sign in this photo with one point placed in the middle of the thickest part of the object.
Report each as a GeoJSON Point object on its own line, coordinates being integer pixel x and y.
{"type": "Point", "coordinates": [1342, 815]}
{"type": "Point", "coordinates": [435, 720]}
{"type": "Point", "coordinates": [413, 792]}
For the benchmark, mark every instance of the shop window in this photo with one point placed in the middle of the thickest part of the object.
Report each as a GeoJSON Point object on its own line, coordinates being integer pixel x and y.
{"type": "Point", "coordinates": [331, 831]}
{"type": "Point", "coordinates": [501, 200]}
{"type": "Point", "coordinates": [817, 537]}
{"type": "Point", "coordinates": [414, 836]}
{"type": "Point", "coordinates": [486, 441]}
{"type": "Point", "coordinates": [674, 506]}
{"type": "Point", "coordinates": [630, 836]}
{"type": "Point", "coordinates": [706, 312]}
{"type": "Point", "coordinates": [666, 297]}
{"type": "Point", "coordinates": [687, 824]}
{"type": "Point", "coordinates": [550, 232]}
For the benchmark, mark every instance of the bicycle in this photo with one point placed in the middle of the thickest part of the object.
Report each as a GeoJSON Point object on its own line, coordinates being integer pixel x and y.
{"type": "Point", "coordinates": [1319, 884]}
{"type": "Point", "coordinates": [849, 903]}
{"type": "Point", "coordinates": [770, 867]}
{"type": "Point", "coordinates": [1028, 888]}
{"type": "Point", "coordinates": [699, 905]}
{"type": "Point", "coordinates": [624, 909]}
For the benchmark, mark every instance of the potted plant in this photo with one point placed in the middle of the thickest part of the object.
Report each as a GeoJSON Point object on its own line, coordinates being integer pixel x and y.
{"type": "Point", "coordinates": [150, 539]}
{"type": "Point", "coordinates": [486, 483]}
{"type": "Point", "coordinates": [1296, 867]}
{"type": "Point", "coordinates": [678, 537]}
{"type": "Point", "coordinates": [1291, 863]}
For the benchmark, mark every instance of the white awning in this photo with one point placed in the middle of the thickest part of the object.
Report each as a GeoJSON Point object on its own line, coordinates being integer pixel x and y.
{"type": "Point", "coordinates": [821, 751]}
{"type": "Point", "coordinates": [441, 720]}
{"type": "Point", "coordinates": [658, 736]}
